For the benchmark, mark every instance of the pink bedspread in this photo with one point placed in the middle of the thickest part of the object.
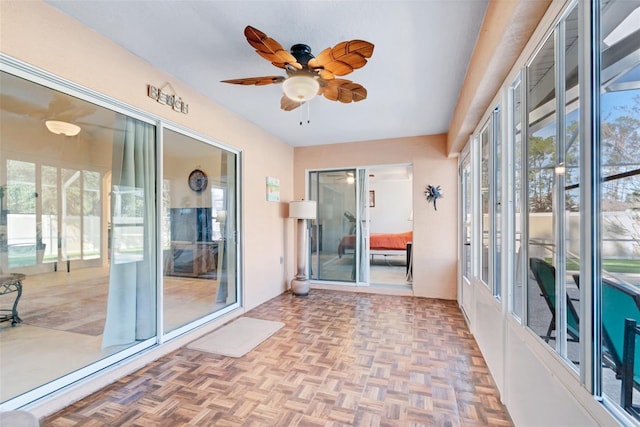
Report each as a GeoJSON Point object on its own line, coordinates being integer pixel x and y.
{"type": "Point", "coordinates": [378, 241]}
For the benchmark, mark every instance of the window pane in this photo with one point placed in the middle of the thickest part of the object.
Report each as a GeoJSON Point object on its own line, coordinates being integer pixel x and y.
{"type": "Point", "coordinates": [568, 177]}
{"type": "Point", "coordinates": [335, 192]}
{"type": "Point", "coordinates": [21, 213]}
{"type": "Point", "coordinates": [50, 217]}
{"type": "Point", "coordinates": [484, 203]}
{"type": "Point", "coordinates": [198, 229]}
{"type": "Point", "coordinates": [91, 220]}
{"type": "Point", "coordinates": [58, 192]}
{"type": "Point", "coordinates": [519, 264]}
{"type": "Point", "coordinates": [71, 210]}
{"type": "Point", "coordinates": [620, 188]}
{"type": "Point", "coordinates": [466, 217]}
{"type": "Point", "coordinates": [541, 158]}
{"type": "Point", "coordinates": [497, 171]}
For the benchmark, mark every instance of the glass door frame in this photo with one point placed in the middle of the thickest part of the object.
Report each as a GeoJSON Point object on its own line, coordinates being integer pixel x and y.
{"type": "Point", "coordinates": [362, 250]}
{"type": "Point", "coordinates": [50, 81]}
{"type": "Point", "coordinates": [361, 214]}
{"type": "Point", "coordinates": [466, 219]}
{"type": "Point", "coordinates": [235, 236]}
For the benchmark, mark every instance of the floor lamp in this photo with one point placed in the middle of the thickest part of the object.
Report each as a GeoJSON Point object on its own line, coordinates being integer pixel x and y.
{"type": "Point", "coordinates": [302, 211]}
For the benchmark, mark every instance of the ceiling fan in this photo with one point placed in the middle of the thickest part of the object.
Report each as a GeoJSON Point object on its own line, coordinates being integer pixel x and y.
{"type": "Point", "coordinates": [308, 75]}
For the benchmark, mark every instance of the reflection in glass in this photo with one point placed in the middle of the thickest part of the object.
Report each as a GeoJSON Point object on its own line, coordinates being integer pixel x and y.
{"type": "Point", "coordinates": [335, 192]}
{"type": "Point", "coordinates": [197, 230]}
{"type": "Point", "coordinates": [467, 214]}
{"type": "Point", "coordinates": [497, 206]}
{"type": "Point", "coordinates": [484, 202]}
{"type": "Point", "coordinates": [50, 217]}
{"type": "Point", "coordinates": [21, 213]}
{"type": "Point", "coordinates": [541, 159]}
{"type": "Point", "coordinates": [620, 189]}
{"type": "Point", "coordinates": [59, 227]}
{"type": "Point", "coordinates": [568, 178]}
{"type": "Point", "coordinates": [518, 255]}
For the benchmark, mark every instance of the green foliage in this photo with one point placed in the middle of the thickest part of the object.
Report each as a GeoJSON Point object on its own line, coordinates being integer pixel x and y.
{"type": "Point", "coordinates": [541, 154]}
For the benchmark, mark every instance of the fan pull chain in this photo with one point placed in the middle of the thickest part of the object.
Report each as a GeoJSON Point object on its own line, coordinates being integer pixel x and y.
{"type": "Point", "coordinates": [308, 113]}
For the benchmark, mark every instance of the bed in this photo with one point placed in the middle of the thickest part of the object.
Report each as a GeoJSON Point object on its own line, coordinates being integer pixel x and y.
{"type": "Point", "coordinates": [379, 243]}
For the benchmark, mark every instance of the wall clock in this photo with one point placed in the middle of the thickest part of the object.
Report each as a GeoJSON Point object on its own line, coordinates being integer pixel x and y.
{"type": "Point", "coordinates": [198, 180]}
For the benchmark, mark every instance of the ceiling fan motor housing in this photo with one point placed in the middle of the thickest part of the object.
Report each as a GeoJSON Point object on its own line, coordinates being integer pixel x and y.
{"type": "Point", "coordinates": [302, 53]}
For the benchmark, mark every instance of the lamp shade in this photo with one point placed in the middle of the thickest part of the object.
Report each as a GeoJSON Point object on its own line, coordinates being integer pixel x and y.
{"type": "Point", "coordinates": [300, 88]}
{"type": "Point", "coordinates": [302, 209]}
{"type": "Point", "coordinates": [62, 128]}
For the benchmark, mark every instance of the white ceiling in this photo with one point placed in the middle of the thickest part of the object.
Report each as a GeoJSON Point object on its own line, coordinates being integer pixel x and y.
{"type": "Point", "coordinates": [422, 50]}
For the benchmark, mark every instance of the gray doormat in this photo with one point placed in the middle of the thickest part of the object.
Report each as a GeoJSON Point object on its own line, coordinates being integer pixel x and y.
{"type": "Point", "coordinates": [236, 338]}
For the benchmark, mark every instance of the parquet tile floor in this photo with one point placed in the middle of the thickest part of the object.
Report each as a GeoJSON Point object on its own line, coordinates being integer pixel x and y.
{"type": "Point", "coordinates": [342, 359]}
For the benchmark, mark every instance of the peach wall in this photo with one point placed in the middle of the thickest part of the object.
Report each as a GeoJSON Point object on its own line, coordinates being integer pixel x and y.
{"type": "Point", "coordinates": [434, 232]}
{"type": "Point", "coordinates": [35, 33]}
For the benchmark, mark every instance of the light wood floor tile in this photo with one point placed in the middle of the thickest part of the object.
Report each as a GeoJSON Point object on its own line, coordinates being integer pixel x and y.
{"type": "Point", "coordinates": [342, 359]}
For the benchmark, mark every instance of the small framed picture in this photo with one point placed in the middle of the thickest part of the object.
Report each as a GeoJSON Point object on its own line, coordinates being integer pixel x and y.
{"type": "Point", "coordinates": [372, 199]}
{"type": "Point", "coordinates": [273, 189]}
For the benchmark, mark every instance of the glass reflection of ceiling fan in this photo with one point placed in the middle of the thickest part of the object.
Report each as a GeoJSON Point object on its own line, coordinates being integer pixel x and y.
{"type": "Point", "coordinates": [341, 176]}
{"type": "Point", "coordinates": [61, 116]}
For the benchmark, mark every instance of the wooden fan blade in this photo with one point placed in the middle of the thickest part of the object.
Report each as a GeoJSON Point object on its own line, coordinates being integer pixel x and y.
{"type": "Point", "coordinates": [18, 106]}
{"type": "Point", "coordinates": [270, 49]}
{"type": "Point", "coordinates": [344, 57]}
{"type": "Point", "coordinates": [66, 108]}
{"type": "Point", "coordinates": [287, 104]}
{"type": "Point", "coordinates": [62, 107]}
{"type": "Point", "coordinates": [361, 47]}
{"type": "Point", "coordinates": [344, 91]}
{"type": "Point", "coordinates": [256, 81]}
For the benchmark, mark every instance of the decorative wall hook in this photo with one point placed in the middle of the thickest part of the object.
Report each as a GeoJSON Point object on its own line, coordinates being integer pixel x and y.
{"type": "Point", "coordinates": [433, 193]}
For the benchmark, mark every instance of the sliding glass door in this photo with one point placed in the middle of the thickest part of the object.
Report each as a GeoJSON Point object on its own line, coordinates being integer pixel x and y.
{"type": "Point", "coordinates": [77, 226]}
{"type": "Point", "coordinates": [86, 216]}
{"type": "Point", "coordinates": [334, 234]}
{"type": "Point", "coordinates": [198, 229]}
{"type": "Point", "coordinates": [363, 233]}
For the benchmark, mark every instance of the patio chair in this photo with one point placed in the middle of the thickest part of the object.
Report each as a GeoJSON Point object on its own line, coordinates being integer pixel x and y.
{"type": "Point", "coordinates": [545, 275]}
{"type": "Point", "coordinates": [629, 375]}
{"type": "Point", "coordinates": [620, 302]}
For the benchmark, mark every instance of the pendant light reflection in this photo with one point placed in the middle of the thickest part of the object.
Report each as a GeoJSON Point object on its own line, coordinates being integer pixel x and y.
{"type": "Point", "coordinates": [62, 128]}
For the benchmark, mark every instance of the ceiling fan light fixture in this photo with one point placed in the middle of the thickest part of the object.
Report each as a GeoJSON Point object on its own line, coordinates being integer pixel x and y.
{"type": "Point", "coordinates": [300, 88]}
{"type": "Point", "coordinates": [62, 128]}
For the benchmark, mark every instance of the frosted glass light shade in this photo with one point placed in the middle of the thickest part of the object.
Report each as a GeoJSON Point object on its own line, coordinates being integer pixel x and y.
{"type": "Point", "coordinates": [300, 88]}
{"type": "Point", "coordinates": [302, 209]}
{"type": "Point", "coordinates": [62, 128]}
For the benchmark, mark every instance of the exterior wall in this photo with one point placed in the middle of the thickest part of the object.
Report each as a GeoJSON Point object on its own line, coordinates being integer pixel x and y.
{"type": "Point", "coordinates": [435, 259]}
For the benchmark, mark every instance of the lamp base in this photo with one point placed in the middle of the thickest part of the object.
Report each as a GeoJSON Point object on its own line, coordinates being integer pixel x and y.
{"type": "Point", "coordinates": [300, 287]}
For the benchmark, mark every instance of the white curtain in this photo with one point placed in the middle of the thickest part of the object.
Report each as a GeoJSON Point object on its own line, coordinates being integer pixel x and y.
{"type": "Point", "coordinates": [131, 304]}
{"type": "Point", "coordinates": [362, 225]}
